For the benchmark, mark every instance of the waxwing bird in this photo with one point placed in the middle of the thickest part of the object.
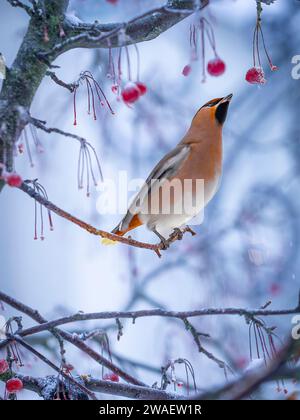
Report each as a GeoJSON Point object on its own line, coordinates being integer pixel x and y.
{"type": "Point", "coordinates": [160, 204]}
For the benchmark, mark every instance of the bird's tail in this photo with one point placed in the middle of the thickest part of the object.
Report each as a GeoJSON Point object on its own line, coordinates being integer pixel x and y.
{"type": "Point", "coordinates": [115, 231]}
{"type": "Point", "coordinates": [134, 223]}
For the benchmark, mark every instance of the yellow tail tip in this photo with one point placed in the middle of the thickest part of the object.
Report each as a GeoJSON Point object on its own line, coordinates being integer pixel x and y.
{"type": "Point", "coordinates": [106, 242]}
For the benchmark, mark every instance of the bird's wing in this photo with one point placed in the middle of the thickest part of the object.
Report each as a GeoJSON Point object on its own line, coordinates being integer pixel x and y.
{"type": "Point", "coordinates": [165, 169]}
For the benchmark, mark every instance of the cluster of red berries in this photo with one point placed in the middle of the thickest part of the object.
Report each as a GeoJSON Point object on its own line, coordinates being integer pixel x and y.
{"type": "Point", "coordinates": [131, 91]}
{"type": "Point", "coordinates": [113, 377]}
{"type": "Point", "coordinates": [13, 385]}
{"type": "Point", "coordinates": [214, 67]}
{"type": "Point", "coordinates": [11, 178]}
{"type": "Point", "coordinates": [256, 74]}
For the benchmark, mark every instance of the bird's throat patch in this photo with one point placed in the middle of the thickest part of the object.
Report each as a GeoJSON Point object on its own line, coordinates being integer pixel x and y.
{"type": "Point", "coordinates": [221, 112]}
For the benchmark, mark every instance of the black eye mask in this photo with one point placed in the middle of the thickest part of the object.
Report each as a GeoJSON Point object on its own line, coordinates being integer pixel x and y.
{"type": "Point", "coordinates": [221, 112]}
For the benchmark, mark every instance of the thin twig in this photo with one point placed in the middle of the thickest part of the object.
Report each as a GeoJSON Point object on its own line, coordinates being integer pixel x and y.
{"type": "Point", "coordinates": [70, 86]}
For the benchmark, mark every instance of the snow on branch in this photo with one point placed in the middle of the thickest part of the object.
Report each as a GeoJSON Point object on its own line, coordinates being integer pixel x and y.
{"type": "Point", "coordinates": [182, 315]}
{"type": "Point", "coordinates": [144, 27]}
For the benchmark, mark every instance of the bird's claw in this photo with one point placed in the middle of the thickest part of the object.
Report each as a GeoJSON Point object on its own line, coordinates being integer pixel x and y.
{"type": "Point", "coordinates": [178, 233]}
{"type": "Point", "coordinates": [165, 244]}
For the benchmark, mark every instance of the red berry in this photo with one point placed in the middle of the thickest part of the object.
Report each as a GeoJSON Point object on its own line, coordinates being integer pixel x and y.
{"type": "Point", "coordinates": [14, 385]}
{"type": "Point", "coordinates": [186, 70]}
{"type": "Point", "coordinates": [275, 289]}
{"type": "Point", "coordinates": [111, 377]}
{"type": "Point", "coordinates": [142, 88]}
{"type": "Point", "coordinates": [112, 1]}
{"type": "Point", "coordinates": [115, 89]}
{"type": "Point", "coordinates": [14, 180]}
{"type": "Point", "coordinates": [130, 93]}
{"type": "Point", "coordinates": [216, 67]}
{"type": "Point", "coordinates": [3, 366]}
{"type": "Point", "coordinates": [256, 75]}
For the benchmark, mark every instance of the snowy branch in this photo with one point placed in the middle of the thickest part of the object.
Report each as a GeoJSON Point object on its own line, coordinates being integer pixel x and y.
{"type": "Point", "coordinates": [47, 388]}
{"type": "Point", "coordinates": [142, 28]}
{"type": "Point", "coordinates": [159, 313]}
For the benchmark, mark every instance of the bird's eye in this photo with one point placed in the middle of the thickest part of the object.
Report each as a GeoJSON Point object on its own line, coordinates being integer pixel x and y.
{"type": "Point", "coordinates": [211, 103]}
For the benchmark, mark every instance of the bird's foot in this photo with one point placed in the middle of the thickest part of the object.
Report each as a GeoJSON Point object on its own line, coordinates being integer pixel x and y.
{"type": "Point", "coordinates": [179, 234]}
{"type": "Point", "coordinates": [165, 243]}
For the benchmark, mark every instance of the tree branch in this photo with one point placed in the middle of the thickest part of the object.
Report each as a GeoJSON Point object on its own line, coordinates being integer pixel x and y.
{"type": "Point", "coordinates": [183, 315]}
{"type": "Point", "coordinates": [91, 229]}
{"type": "Point", "coordinates": [145, 27]}
{"type": "Point", "coordinates": [70, 86]}
{"type": "Point", "coordinates": [39, 385]}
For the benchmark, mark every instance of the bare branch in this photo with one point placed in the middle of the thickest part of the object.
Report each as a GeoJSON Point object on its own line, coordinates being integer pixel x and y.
{"type": "Point", "coordinates": [196, 336]}
{"type": "Point", "coordinates": [70, 86]}
{"type": "Point", "coordinates": [41, 125]}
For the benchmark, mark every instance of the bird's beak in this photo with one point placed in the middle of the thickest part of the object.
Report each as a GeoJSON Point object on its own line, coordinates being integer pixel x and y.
{"type": "Point", "coordinates": [222, 108]}
{"type": "Point", "coordinates": [226, 99]}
